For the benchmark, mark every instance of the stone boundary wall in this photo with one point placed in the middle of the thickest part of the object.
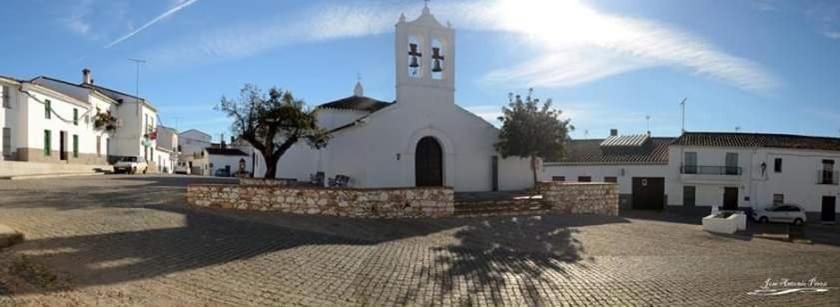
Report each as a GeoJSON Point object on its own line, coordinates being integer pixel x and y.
{"type": "Point", "coordinates": [269, 182]}
{"type": "Point", "coordinates": [359, 203]}
{"type": "Point", "coordinates": [581, 198]}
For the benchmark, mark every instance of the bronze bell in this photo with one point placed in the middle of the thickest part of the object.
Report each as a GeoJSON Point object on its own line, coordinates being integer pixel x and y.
{"type": "Point", "coordinates": [437, 67]}
{"type": "Point", "coordinates": [414, 63]}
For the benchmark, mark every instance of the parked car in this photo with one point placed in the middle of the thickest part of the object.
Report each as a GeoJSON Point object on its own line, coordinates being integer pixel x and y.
{"type": "Point", "coordinates": [785, 213]}
{"type": "Point", "coordinates": [182, 168]}
{"type": "Point", "coordinates": [131, 165]}
{"type": "Point", "coordinates": [222, 172]}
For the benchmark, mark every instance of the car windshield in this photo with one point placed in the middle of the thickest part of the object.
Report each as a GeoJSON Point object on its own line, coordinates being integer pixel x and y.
{"type": "Point", "coordinates": [128, 159]}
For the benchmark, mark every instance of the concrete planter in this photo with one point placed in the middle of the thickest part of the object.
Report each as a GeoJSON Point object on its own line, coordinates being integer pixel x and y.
{"type": "Point", "coordinates": [717, 224]}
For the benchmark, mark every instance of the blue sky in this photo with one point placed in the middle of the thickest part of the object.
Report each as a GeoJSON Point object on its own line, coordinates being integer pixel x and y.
{"type": "Point", "coordinates": [763, 66]}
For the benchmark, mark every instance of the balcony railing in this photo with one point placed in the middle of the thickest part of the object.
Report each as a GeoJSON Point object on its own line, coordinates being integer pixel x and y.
{"type": "Point", "coordinates": [827, 177]}
{"type": "Point", "coordinates": [710, 170]}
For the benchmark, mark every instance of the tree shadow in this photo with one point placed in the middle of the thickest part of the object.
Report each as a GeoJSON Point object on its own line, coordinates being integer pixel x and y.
{"type": "Point", "coordinates": [525, 251]}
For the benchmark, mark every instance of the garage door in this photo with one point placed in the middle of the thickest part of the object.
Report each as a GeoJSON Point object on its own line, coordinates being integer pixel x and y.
{"type": "Point", "coordinates": [648, 193]}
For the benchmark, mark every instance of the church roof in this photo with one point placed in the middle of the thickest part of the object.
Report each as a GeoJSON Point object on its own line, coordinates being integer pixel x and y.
{"type": "Point", "coordinates": [361, 103]}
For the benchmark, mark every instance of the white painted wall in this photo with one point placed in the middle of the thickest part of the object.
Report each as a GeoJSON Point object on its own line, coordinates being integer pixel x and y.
{"type": "Point", "coordinates": [598, 172]}
{"type": "Point", "coordinates": [220, 161]}
{"type": "Point", "coordinates": [61, 119]}
{"type": "Point", "coordinates": [193, 141]}
{"type": "Point", "coordinates": [798, 180]}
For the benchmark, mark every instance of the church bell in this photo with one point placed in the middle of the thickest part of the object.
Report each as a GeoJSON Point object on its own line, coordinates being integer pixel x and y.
{"type": "Point", "coordinates": [414, 63]}
{"type": "Point", "coordinates": [437, 67]}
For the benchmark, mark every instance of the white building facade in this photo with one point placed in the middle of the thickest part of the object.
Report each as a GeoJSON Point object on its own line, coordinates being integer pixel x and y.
{"type": "Point", "coordinates": [54, 121]}
{"type": "Point", "coordinates": [422, 139]}
{"type": "Point", "coordinates": [727, 170]}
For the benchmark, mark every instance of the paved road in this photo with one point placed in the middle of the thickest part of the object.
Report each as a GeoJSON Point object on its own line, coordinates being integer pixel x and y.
{"type": "Point", "coordinates": [123, 240]}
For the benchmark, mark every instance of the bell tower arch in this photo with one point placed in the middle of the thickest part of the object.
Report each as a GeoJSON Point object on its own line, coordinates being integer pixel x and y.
{"type": "Point", "coordinates": [425, 59]}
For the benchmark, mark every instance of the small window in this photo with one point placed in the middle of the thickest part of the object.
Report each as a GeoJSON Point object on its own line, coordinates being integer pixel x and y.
{"type": "Point", "coordinates": [47, 109]}
{"type": "Point", "coordinates": [611, 179]}
{"type": "Point", "coordinates": [6, 97]}
{"type": "Point", "coordinates": [75, 146]}
{"type": "Point", "coordinates": [584, 179]}
{"type": "Point", "coordinates": [689, 196]}
{"type": "Point", "coordinates": [778, 199]}
{"type": "Point", "coordinates": [75, 117]}
{"type": "Point", "coordinates": [47, 142]}
{"type": "Point", "coordinates": [777, 165]}
{"type": "Point", "coordinates": [558, 178]}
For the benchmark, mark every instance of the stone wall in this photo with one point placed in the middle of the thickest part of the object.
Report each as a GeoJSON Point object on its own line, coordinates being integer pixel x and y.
{"type": "Point", "coordinates": [580, 197]}
{"type": "Point", "coordinates": [269, 182]}
{"type": "Point", "coordinates": [360, 203]}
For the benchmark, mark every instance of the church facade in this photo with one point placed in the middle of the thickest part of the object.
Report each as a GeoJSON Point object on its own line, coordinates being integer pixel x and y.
{"type": "Point", "coordinates": [421, 139]}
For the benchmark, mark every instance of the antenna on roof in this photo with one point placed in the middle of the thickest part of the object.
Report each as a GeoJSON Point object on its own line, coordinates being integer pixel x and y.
{"type": "Point", "coordinates": [737, 128]}
{"type": "Point", "coordinates": [585, 133]}
{"type": "Point", "coordinates": [683, 113]}
{"type": "Point", "coordinates": [647, 118]}
{"type": "Point", "coordinates": [137, 89]}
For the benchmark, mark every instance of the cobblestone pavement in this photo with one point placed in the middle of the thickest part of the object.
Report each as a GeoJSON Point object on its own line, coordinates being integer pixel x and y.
{"type": "Point", "coordinates": [123, 240]}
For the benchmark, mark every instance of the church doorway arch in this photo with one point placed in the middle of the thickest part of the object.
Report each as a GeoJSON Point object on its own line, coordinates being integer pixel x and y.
{"type": "Point", "coordinates": [428, 163]}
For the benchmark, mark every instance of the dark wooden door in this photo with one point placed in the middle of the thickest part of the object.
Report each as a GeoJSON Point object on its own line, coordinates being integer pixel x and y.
{"type": "Point", "coordinates": [730, 198]}
{"type": "Point", "coordinates": [648, 193]}
{"type": "Point", "coordinates": [829, 204]}
{"type": "Point", "coordinates": [62, 145]}
{"type": "Point", "coordinates": [428, 163]}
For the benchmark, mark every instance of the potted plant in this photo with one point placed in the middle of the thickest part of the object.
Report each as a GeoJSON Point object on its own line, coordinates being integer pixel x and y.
{"type": "Point", "coordinates": [105, 121]}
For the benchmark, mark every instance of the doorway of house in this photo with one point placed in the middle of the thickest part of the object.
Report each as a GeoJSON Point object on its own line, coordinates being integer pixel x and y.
{"type": "Point", "coordinates": [730, 198]}
{"type": "Point", "coordinates": [829, 207]}
{"type": "Point", "coordinates": [648, 193]}
{"type": "Point", "coordinates": [62, 145]}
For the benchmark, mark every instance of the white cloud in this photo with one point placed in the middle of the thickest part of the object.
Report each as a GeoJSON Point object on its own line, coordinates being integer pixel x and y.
{"type": "Point", "coordinates": [77, 21]}
{"type": "Point", "coordinates": [182, 5]}
{"type": "Point", "coordinates": [575, 43]}
{"type": "Point", "coordinates": [832, 34]}
{"type": "Point", "coordinates": [490, 113]}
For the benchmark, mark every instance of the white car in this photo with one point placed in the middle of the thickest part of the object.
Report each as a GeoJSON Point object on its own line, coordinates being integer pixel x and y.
{"type": "Point", "coordinates": [131, 165]}
{"type": "Point", "coordinates": [785, 213]}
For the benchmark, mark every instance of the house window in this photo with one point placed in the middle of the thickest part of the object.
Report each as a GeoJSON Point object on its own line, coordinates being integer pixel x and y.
{"type": "Point", "coordinates": [47, 142]}
{"type": "Point", "coordinates": [689, 195]}
{"type": "Point", "coordinates": [584, 179]}
{"type": "Point", "coordinates": [611, 179]}
{"type": "Point", "coordinates": [732, 163]}
{"type": "Point", "coordinates": [828, 172]}
{"type": "Point", "coordinates": [7, 101]}
{"type": "Point", "coordinates": [75, 146]}
{"type": "Point", "coordinates": [777, 165]}
{"type": "Point", "coordinates": [7, 142]}
{"type": "Point", "coordinates": [558, 178]}
{"type": "Point", "coordinates": [778, 199]}
{"type": "Point", "coordinates": [47, 109]}
{"type": "Point", "coordinates": [690, 161]}
{"type": "Point", "coordinates": [98, 145]}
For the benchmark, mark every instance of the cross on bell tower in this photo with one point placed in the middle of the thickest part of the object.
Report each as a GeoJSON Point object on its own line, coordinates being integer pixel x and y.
{"type": "Point", "coordinates": [425, 57]}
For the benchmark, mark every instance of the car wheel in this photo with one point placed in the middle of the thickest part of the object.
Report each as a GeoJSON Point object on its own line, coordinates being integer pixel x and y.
{"type": "Point", "coordinates": [144, 171]}
{"type": "Point", "coordinates": [797, 222]}
{"type": "Point", "coordinates": [133, 171]}
{"type": "Point", "coordinates": [763, 220]}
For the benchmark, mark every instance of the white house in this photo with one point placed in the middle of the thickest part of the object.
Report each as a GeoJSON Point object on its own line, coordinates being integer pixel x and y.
{"type": "Point", "coordinates": [167, 149]}
{"type": "Point", "coordinates": [421, 139]}
{"type": "Point", "coordinates": [728, 170]}
{"type": "Point", "coordinates": [42, 123]}
{"type": "Point", "coordinates": [191, 144]}
{"type": "Point", "coordinates": [638, 163]}
{"type": "Point", "coordinates": [232, 160]}
{"type": "Point", "coordinates": [743, 170]}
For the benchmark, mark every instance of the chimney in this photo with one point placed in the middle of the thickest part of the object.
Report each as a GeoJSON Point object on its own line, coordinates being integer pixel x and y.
{"type": "Point", "coordinates": [613, 132]}
{"type": "Point", "coordinates": [86, 78]}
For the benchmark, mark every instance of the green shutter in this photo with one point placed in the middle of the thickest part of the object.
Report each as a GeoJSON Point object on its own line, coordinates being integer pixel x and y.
{"type": "Point", "coordinates": [75, 116]}
{"type": "Point", "coordinates": [47, 109]}
{"type": "Point", "coordinates": [75, 146]}
{"type": "Point", "coordinates": [47, 143]}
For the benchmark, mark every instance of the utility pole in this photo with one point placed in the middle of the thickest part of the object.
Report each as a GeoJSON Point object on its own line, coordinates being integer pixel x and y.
{"type": "Point", "coordinates": [139, 62]}
{"type": "Point", "coordinates": [683, 113]}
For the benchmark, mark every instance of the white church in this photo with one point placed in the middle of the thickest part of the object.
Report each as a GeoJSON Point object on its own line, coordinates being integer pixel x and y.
{"type": "Point", "coordinates": [421, 139]}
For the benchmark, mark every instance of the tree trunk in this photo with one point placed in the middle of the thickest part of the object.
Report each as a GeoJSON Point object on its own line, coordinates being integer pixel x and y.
{"type": "Point", "coordinates": [534, 170]}
{"type": "Point", "coordinates": [271, 165]}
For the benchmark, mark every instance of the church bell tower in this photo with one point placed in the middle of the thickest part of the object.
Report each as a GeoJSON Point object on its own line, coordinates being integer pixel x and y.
{"type": "Point", "coordinates": [425, 60]}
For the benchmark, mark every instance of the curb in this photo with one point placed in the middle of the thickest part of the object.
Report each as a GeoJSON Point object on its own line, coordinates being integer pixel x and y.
{"type": "Point", "coordinates": [43, 176]}
{"type": "Point", "coordinates": [9, 236]}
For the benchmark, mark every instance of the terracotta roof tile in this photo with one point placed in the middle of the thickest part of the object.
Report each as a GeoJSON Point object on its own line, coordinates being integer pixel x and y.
{"type": "Point", "coordinates": [724, 139]}
{"type": "Point", "coordinates": [653, 151]}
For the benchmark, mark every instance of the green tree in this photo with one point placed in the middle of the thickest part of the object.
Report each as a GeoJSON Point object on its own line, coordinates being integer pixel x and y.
{"type": "Point", "coordinates": [272, 123]}
{"type": "Point", "coordinates": [531, 129]}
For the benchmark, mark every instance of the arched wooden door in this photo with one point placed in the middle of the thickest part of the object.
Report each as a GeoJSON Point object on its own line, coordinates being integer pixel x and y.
{"type": "Point", "coordinates": [428, 163]}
